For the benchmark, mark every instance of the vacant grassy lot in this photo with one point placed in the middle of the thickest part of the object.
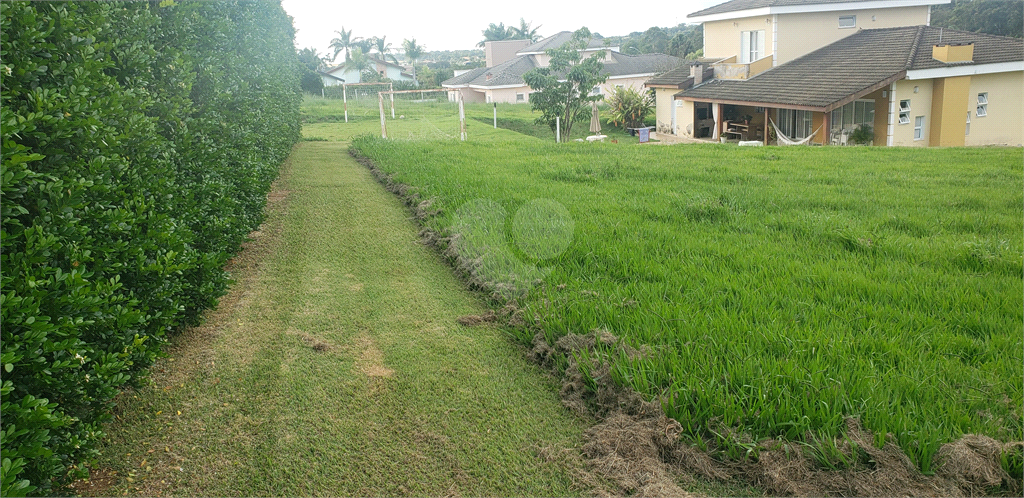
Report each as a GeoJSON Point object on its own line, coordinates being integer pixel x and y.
{"type": "Point", "coordinates": [779, 290]}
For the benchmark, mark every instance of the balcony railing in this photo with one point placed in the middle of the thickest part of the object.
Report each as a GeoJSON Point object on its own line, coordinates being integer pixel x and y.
{"type": "Point", "coordinates": [729, 69]}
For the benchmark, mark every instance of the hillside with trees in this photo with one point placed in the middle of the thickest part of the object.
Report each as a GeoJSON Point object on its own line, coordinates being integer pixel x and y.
{"type": "Point", "coordinates": [996, 17]}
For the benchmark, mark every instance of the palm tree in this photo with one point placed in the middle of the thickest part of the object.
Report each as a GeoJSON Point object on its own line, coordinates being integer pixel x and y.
{"type": "Point", "coordinates": [343, 42]}
{"type": "Point", "coordinates": [364, 44]}
{"type": "Point", "coordinates": [383, 49]}
{"type": "Point", "coordinates": [523, 32]}
{"type": "Point", "coordinates": [495, 32]}
{"type": "Point", "coordinates": [413, 51]}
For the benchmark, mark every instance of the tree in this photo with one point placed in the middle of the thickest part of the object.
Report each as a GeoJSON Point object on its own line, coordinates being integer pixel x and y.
{"type": "Point", "coordinates": [413, 51]}
{"type": "Point", "coordinates": [359, 61]}
{"type": "Point", "coordinates": [687, 42]}
{"type": "Point", "coordinates": [563, 88]}
{"type": "Point", "coordinates": [996, 17]}
{"type": "Point", "coordinates": [495, 32]}
{"type": "Point", "coordinates": [524, 32]}
{"type": "Point", "coordinates": [344, 42]}
{"type": "Point", "coordinates": [312, 64]}
{"type": "Point", "coordinates": [383, 49]}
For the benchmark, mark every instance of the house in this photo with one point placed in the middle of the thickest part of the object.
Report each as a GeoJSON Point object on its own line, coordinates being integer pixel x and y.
{"type": "Point", "coordinates": [912, 86]}
{"type": "Point", "coordinates": [344, 73]}
{"type": "Point", "coordinates": [753, 30]}
{"type": "Point", "coordinates": [507, 62]}
{"type": "Point", "coordinates": [907, 85]}
{"type": "Point", "coordinates": [667, 85]}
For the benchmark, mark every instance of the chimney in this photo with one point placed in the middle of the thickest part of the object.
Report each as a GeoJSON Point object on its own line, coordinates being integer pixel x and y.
{"type": "Point", "coordinates": [953, 52]}
{"type": "Point", "coordinates": [697, 72]}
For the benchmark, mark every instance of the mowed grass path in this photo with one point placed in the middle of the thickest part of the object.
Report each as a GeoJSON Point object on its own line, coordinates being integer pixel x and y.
{"type": "Point", "coordinates": [337, 367]}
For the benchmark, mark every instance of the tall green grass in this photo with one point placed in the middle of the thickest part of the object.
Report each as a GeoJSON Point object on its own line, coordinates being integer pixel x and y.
{"type": "Point", "coordinates": [780, 290]}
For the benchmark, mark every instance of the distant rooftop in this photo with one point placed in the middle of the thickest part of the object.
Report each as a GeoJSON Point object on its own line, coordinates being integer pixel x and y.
{"type": "Point", "coordinates": [557, 40]}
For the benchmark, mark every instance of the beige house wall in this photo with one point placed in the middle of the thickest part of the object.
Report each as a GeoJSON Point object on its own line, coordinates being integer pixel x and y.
{"type": "Point", "coordinates": [663, 102]}
{"type": "Point", "coordinates": [1004, 124]}
{"type": "Point", "coordinates": [684, 119]}
{"type": "Point", "coordinates": [722, 38]}
{"type": "Point", "coordinates": [920, 105]}
{"type": "Point", "coordinates": [508, 95]}
{"type": "Point", "coordinates": [949, 116]}
{"type": "Point", "coordinates": [799, 34]}
{"type": "Point", "coordinates": [635, 83]}
{"type": "Point", "coordinates": [471, 95]}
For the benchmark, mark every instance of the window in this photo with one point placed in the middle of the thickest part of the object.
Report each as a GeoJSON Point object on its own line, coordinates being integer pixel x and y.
{"type": "Point", "coordinates": [904, 112]}
{"type": "Point", "coordinates": [595, 91]}
{"type": "Point", "coordinates": [852, 115]}
{"type": "Point", "coordinates": [847, 21]}
{"type": "Point", "coordinates": [982, 110]}
{"type": "Point", "coordinates": [919, 128]}
{"type": "Point", "coordinates": [520, 97]}
{"type": "Point", "coordinates": [488, 98]}
{"type": "Point", "coordinates": [967, 131]}
{"type": "Point", "coordinates": [795, 124]}
{"type": "Point", "coordinates": [751, 46]}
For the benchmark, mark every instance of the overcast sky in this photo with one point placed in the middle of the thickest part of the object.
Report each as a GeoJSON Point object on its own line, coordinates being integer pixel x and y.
{"type": "Point", "coordinates": [458, 25]}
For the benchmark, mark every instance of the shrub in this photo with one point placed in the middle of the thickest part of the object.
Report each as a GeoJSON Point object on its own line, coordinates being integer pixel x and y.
{"type": "Point", "coordinates": [138, 143]}
{"type": "Point", "coordinates": [863, 135]}
{"type": "Point", "coordinates": [630, 107]}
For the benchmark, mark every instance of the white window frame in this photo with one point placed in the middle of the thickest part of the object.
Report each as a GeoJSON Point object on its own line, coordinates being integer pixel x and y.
{"type": "Point", "coordinates": [851, 22]}
{"type": "Point", "coordinates": [982, 109]}
{"type": "Point", "coordinates": [520, 97]}
{"type": "Point", "coordinates": [905, 111]}
{"type": "Point", "coordinates": [751, 46]}
{"type": "Point", "coordinates": [967, 130]}
{"type": "Point", "coordinates": [596, 90]}
{"type": "Point", "coordinates": [918, 128]}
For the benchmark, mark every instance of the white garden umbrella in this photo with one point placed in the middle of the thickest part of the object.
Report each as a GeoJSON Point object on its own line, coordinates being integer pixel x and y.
{"type": "Point", "coordinates": [595, 120]}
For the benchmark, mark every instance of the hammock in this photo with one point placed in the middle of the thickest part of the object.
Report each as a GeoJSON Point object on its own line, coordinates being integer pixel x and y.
{"type": "Point", "coordinates": [784, 140]}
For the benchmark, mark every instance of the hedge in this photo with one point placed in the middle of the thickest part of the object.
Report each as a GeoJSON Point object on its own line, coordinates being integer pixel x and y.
{"type": "Point", "coordinates": [139, 141]}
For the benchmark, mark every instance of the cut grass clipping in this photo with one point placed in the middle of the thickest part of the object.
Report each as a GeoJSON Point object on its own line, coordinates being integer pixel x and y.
{"type": "Point", "coordinates": [777, 292]}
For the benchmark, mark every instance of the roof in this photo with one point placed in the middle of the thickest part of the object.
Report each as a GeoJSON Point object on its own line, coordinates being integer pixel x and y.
{"type": "Point", "coordinates": [680, 76]}
{"type": "Point", "coordinates": [557, 40]}
{"type": "Point", "coordinates": [511, 72]}
{"type": "Point", "coordinates": [742, 5]}
{"type": "Point", "coordinates": [627, 65]}
{"type": "Point", "coordinates": [855, 66]}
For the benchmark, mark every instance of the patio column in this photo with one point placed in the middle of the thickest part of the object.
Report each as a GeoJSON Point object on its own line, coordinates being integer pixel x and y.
{"type": "Point", "coordinates": [826, 125]}
{"type": "Point", "coordinates": [766, 125]}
